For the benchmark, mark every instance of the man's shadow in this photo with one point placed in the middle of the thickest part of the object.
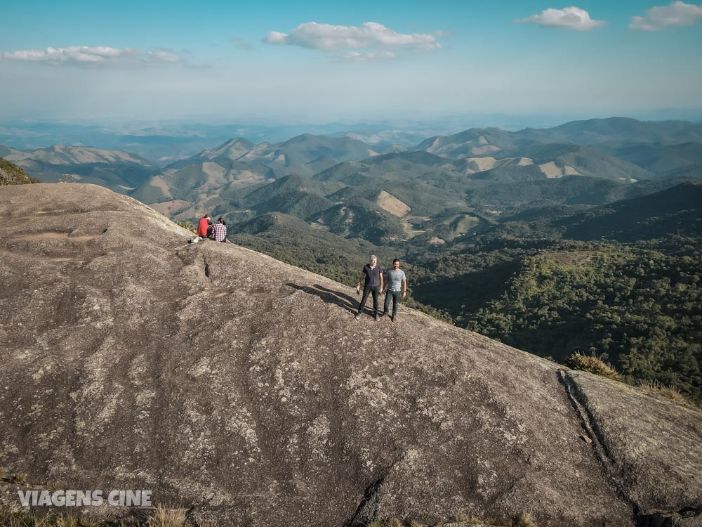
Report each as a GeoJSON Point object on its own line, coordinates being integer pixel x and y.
{"type": "Point", "coordinates": [329, 296]}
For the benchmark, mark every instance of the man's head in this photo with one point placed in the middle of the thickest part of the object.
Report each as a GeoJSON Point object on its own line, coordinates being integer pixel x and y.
{"type": "Point", "coordinates": [396, 264]}
{"type": "Point", "coordinates": [221, 220]}
{"type": "Point", "coordinates": [373, 259]}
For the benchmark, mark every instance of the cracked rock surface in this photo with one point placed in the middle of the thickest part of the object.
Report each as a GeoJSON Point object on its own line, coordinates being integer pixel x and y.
{"type": "Point", "coordinates": [227, 381]}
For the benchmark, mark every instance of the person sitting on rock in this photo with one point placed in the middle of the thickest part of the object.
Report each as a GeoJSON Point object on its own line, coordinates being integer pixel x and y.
{"type": "Point", "coordinates": [220, 230]}
{"type": "Point", "coordinates": [396, 288]}
{"type": "Point", "coordinates": [372, 274]}
{"type": "Point", "coordinates": [204, 227]}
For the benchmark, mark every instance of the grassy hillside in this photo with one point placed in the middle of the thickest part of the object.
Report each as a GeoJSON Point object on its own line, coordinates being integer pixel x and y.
{"type": "Point", "coordinates": [11, 174]}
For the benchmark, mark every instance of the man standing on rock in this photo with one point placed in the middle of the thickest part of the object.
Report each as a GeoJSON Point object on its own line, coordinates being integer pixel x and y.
{"type": "Point", "coordinates": [372, 275]}
{"type": "Point", "coordinates": [397, 288]}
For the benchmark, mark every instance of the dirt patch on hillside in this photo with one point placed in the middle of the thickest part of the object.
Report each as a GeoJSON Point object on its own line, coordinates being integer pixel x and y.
{"type": "Point", "coordinates": [392, 205]}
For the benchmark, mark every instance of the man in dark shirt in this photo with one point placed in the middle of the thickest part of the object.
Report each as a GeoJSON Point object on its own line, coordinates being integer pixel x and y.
{"type": "Point", "coordinates": [372, 275]}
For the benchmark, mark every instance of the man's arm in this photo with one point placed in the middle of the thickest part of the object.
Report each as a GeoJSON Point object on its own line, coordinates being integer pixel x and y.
{"type": "Point", "coordinates": [404, 286]}
{"type": "Point", "coordinates": [358, 285]}
{"type": "Point", "coordinates": [381, 279]}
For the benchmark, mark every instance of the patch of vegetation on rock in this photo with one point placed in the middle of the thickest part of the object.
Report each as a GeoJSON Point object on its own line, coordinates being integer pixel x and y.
{"type": "Point", "coordinates": [11, 174]}
{"type": "Point", "coordinates": [592, 364]}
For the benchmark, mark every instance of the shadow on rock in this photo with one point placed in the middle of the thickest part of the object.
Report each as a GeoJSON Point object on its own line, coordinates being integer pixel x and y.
{"type": "Point", "coordinates": [329, 296]}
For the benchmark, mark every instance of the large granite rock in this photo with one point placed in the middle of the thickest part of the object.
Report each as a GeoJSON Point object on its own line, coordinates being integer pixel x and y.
{"type": "Point", "coordinates": [243, 388]}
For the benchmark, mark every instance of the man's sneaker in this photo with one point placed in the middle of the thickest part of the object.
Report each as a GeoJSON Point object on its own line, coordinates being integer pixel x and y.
{"type": "Point", "coordinates": [392, 318]}
{"type": "Point", "coordinates": [357, 316]}
{"type": "Point", "coordinates": [377, 317]}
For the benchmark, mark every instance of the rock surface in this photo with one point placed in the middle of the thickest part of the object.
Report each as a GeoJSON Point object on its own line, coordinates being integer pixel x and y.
{"type": "Point", "coordinates": [242, 387]}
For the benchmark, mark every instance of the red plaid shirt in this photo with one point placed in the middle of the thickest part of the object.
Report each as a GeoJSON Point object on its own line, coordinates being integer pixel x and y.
{"type": "Point", "coordinates": [220, 232]}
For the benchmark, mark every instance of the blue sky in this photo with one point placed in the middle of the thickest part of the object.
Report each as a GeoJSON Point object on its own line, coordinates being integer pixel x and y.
{"type": "Point", "coordinates": [220, 60]}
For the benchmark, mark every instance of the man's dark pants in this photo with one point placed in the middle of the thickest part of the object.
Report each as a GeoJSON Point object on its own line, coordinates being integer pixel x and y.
{"type": "Point", "coordinates": [375, 291]}
{"type": "Point", "coordinates": [396, 296]}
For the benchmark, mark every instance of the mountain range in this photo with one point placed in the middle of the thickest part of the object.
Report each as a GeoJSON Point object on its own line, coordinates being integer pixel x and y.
{"type": "Point", "coordinates": [484, 172]}
{"type": "Point", "coordinates": [435, 193]}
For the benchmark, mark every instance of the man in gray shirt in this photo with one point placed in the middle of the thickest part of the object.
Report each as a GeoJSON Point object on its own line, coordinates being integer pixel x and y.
{"type": "Point", "coordinates": [397, 288]}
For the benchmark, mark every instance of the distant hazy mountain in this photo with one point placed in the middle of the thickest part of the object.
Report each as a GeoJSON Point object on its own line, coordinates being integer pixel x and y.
{"type": "Point", "coordinates": [115, 169]}
{"type": "Point", "coordinates": [75, 155]}
{"type": "Point", "coordinates": [618, 131]}
{"type": "Point", "coordinates": [241, 163]}
{"type": "Point", "coordinates": [470, 143]}
{"type": "Point", "coordinates": [608, 134]}
{"type": "Point", "coordinates": [387, 140]}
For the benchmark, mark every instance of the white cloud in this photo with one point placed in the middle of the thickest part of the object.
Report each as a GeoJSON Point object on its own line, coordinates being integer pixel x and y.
{"type": "Point", "coordinates": [568, 18]}
{"type": "Point", "coordinates": [661, 17]}
{"type": "Point", "coordinates": [276, 37]}
{"type": "Point", "coordinates": [368, 41]}
{"type": "Point", "coordinates": [90, 55]}
{"type": "Point", "coordinates": [361, 56]}
{"type": "Point", "coordinates": [162, 55]}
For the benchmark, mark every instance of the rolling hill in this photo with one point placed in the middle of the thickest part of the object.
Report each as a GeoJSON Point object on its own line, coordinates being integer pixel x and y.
{"type": "Point", "coordinates": [558, 160]}
{"type": "Point", "coordinates": [470, 143]}
{"type": "Point", "coordinates": [114, 169]}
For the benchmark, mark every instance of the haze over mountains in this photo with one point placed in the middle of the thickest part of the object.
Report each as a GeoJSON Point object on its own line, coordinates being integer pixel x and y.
{"type": "Point", "coordinates": [165, 142]}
